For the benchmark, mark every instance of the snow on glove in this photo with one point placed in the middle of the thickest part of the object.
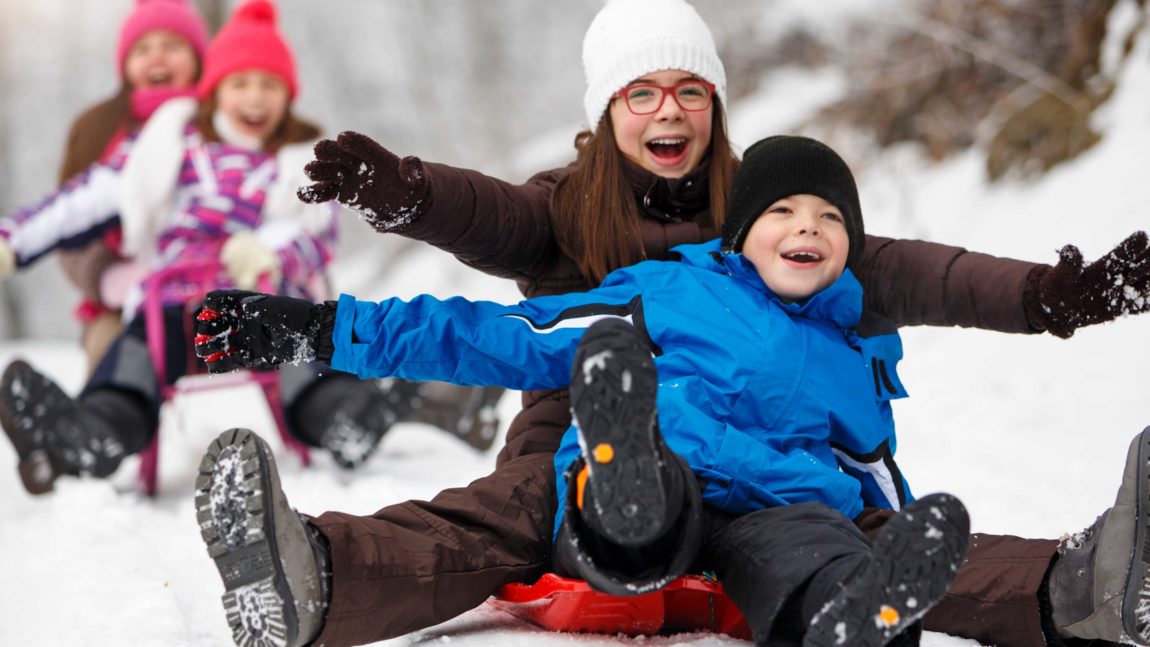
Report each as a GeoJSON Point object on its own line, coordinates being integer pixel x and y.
{"type": "Point", "coordinates": [1069, 295]}
{"type": "Point", "coordinates": [7, 260]}
{"type": "Point", "coordinates": [241, 329]}
{"type": "Point", "coordinates": [387, 192]}
{"type": "Point", "coordinates": [246, 259]}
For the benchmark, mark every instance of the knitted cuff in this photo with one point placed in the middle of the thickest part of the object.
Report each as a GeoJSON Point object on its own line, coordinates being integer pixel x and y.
{"type": "Point", "coordinates": [1036, 314]}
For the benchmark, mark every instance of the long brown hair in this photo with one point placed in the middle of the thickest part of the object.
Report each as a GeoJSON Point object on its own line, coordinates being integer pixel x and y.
{"type": "Point", "coordinates": [596, 214]}
{"type": "Point", "coordinates": [291, 130]}
{"type": "Point", "coordinates": [94, 129]}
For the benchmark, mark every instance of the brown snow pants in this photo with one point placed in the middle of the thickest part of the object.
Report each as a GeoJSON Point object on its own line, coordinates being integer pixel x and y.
{"type": "Point", "coordinates": [419, 563]}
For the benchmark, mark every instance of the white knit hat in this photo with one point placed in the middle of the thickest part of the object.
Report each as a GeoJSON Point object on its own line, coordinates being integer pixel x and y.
{"type": "Point", "coordinates": [630, 38]}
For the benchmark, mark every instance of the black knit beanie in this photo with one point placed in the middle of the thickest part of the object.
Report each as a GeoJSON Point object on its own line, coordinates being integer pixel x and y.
{"type": "Point", "coordinates": [781, 166]}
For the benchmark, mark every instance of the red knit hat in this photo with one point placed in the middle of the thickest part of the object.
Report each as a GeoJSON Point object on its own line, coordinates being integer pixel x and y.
{"type": "Point", "coordinates": [249, 40]}
{"type": "Point", "coordinates": [177, 16]}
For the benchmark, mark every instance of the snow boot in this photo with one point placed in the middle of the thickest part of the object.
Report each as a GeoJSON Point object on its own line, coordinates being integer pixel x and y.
{"type": "Point", "coordinates": [1100, 581]}
{"type": "Point", "coordinates": [54, 434]}
{"type": "Point", "coordinates": [352, 415]}
{"type": "Point", "coordinates": [274, 565]}
{"type": "Point", "coordinates": [613, 389]}
{"type": "Point", "coordinates": [913, 562]}
{"type": "Point", "coordinates": [467, 412]}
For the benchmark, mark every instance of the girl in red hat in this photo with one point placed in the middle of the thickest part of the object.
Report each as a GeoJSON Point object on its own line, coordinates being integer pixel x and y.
{"type": "Point", "coordinates": [207, 177]}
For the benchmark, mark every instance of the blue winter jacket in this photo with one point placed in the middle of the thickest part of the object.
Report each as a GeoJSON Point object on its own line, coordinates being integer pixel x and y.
{"type": "Point", "coordinates": [770, 403]}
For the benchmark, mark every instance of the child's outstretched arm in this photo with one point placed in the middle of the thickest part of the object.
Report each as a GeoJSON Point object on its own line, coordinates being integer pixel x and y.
{"type": "Point", "coordinates": [529, 345]}
{"type": "Point", "coordinates": [86, 205]}
{"type": "Point", "coordinates": [494, 226]}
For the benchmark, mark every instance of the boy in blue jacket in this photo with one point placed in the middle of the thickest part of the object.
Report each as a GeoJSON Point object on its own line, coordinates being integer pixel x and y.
{"type": "Point", "coordinates": [726, 416]}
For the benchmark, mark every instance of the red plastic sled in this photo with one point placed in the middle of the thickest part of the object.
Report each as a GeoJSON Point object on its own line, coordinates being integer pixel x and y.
{"type": "Point", "coordinates": [690, 603]}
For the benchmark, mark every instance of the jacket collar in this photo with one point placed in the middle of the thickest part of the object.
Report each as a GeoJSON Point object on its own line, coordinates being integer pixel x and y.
{"type": "Point", "coordinates": [840, 303]}
{"type": "Point", "coordinates": [670, 200]}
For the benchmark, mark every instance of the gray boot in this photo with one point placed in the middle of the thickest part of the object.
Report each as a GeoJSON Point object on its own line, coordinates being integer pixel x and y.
{"type": "Point", "coordinates": [1100, 582]}
{"type": "Point", "coordinates": [273, 563]}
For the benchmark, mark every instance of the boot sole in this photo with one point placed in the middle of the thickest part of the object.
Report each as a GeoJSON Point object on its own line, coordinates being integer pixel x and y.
{"type": "Point", "coordinates": [916, 557]}
{"type": "Point", "coordinates": [37, 473]}
{"type": "Point", "coordinates": [1136, 602]}
{"type": "Point", "coordinates": [613, 393]}
{"type": "Point", "coordinates": [234, 506]}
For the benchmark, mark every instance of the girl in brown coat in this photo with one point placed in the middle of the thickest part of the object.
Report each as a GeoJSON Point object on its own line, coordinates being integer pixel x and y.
{"type": "Point", "coordinates": [643, 182]}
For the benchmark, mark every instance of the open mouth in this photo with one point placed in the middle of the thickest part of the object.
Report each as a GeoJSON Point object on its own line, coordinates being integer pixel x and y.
{"type": "Point", "coordinates": [803, 256]}
{"type": "Point", "coordinates": [253, 121]}
{"type": "Point", "coordinates": [668, 148]}
{"type": "Point", "coordinates": [158, 78]}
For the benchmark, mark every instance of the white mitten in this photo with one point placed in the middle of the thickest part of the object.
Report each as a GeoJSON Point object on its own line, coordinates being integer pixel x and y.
{"type": "Point", "coordinates": [7, 260]}
{"type": "Point", "coordinates": [246, 259]}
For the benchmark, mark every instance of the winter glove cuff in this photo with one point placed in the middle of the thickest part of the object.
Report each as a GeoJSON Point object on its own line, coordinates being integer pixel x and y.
{"type": "Point", "coordinates": [324, 346]}
{"type": "Point", "coordinates": [1036, 314]}
{"type": "Point", "coordinates": [246, 259]}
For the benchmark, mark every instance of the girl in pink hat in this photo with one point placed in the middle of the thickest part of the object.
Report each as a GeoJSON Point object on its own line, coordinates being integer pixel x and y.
{"type": "Point", "coordinates": [211, 176]}
{"type": "Point", "coordinates": [159, 55]}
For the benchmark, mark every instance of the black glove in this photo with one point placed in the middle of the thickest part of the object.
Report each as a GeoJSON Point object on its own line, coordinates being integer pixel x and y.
{"type": "Point", "coordinates": [1068, 296]}
{"type": "Point", "coordinates": [240, 329]}
{"type": "Point", "coordinates": [389, 193]}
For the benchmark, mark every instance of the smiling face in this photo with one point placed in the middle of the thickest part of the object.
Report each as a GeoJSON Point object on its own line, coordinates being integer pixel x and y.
{"type": "Point", "coordinates": [160, 59]}
{"type": "Point", "coordinates": [798, 246]}
{"type": "Point", "coordinates": [669, 142]}
{"type": "Point", "coordinates": [254, 102]}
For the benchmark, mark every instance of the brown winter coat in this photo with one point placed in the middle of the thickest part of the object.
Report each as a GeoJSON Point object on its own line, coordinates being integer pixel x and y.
{"type": "Point", "coordinates": [415, 564]}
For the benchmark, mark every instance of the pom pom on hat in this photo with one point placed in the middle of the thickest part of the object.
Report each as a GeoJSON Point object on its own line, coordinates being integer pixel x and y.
{"type": "Point", "coordinates": [781, 166]}
{"type": "Point", "coordinates": [177, 16]}
{"type": "Point", "coordinates": [630, 38]}
{"type": "Point", "coordinates": [250, 40]}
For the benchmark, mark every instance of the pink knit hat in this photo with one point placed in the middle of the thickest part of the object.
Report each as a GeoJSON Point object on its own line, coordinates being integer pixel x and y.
{"type": "Point", "coordinates": [177, 16]}
{"type": "Point", "coordinates": [249, 40]}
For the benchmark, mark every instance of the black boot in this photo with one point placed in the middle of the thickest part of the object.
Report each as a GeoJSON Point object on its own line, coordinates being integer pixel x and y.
{"type": "Point", "coordinates": [274, 564]}
{"type": "Point", "coordinates": [613, 390]}
{"type": "Point", "coordinates": [913, 562]}
{"type": "Point", "coordinates": [348, 416]}
{"type": "Point", "coordinates": [54, 434]}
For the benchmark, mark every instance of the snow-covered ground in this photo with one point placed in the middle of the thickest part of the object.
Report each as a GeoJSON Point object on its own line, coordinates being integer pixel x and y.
{"type": "Point", "coordinates": [1030, 431]}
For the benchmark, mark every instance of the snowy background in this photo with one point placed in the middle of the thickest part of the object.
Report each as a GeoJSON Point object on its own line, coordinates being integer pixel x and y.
{"type": "Point", "coordinates": [1030, 431]}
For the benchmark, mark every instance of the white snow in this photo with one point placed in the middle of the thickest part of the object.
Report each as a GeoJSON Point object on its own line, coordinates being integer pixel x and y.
{"type": "Point", "coordinates": [1029, 431]}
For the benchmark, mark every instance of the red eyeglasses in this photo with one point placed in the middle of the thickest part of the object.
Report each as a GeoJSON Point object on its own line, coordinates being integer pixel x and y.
{"type": "Point", "coordinates": [647, 98]}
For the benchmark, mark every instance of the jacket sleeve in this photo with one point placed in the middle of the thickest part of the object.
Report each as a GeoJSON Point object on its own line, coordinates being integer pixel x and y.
{"type": "Point", "coordinates": [912, 282]}
{"type": "Point", "coordinates": [494, 226]}
{"type": "Point", "coordinates": [526, 346]}
{"type": "Point", "coordinates": [85, 203]}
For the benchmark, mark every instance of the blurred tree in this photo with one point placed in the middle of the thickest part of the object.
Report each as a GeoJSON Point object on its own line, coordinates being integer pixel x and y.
{"type": "Point", "coordinates": [1020, 78]}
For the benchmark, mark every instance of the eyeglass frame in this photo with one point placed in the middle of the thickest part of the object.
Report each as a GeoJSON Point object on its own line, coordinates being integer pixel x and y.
{"type": "Point", "coordinates": [622, 94]}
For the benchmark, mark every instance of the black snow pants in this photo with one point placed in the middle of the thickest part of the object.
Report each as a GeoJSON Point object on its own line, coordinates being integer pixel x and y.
{"type": "Point", "coordinates": [778, 565]}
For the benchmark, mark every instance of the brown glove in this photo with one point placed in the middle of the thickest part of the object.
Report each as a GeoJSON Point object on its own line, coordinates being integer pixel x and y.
{"type": "Point", "coordinates": [1068, 296]}
{"type": "Point", "coordinates": [389, 193]}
